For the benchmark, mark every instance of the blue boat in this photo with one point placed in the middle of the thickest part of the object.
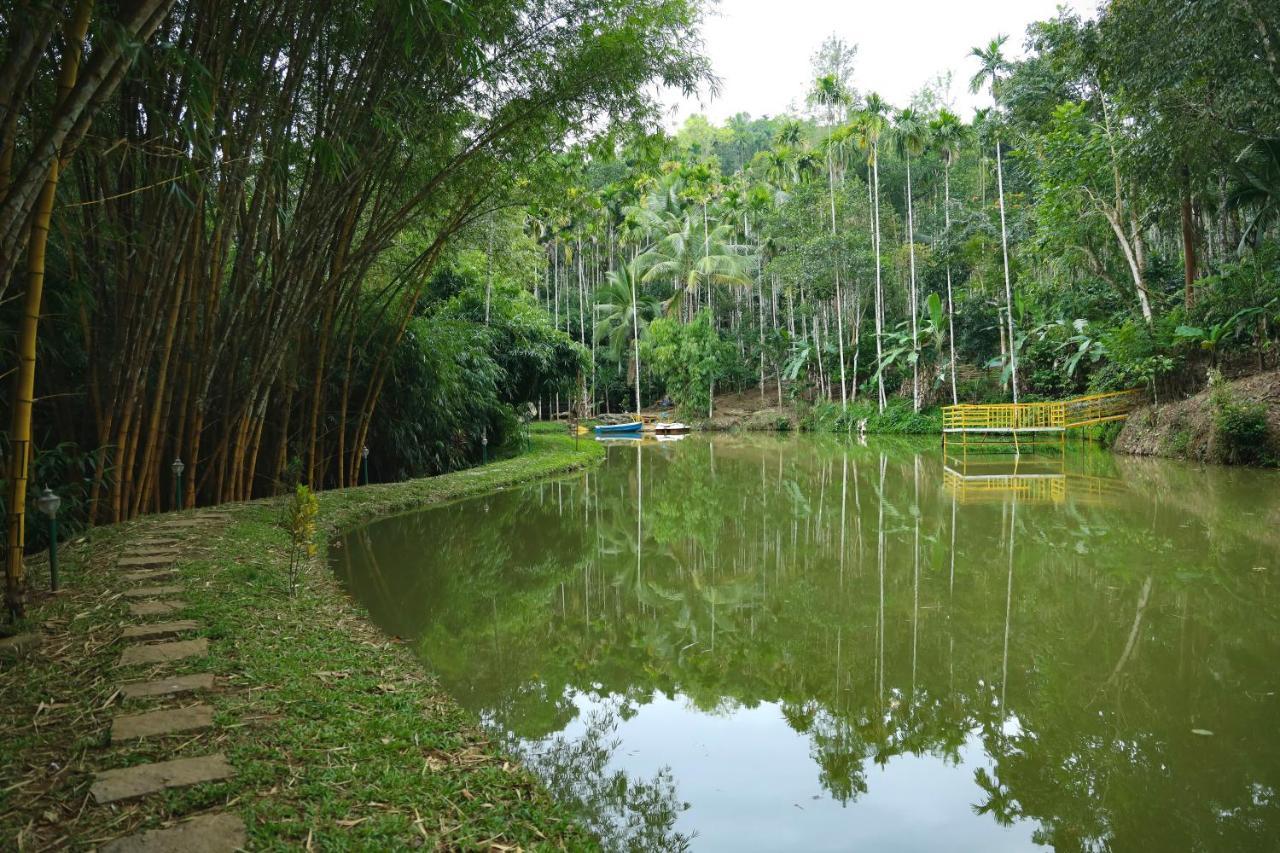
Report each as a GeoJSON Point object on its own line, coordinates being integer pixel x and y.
{"type": "Point", "coordinates": [620, 429]}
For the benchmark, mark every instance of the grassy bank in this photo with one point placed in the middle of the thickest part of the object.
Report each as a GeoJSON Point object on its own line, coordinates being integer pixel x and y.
{"type": "Point", "coordinates": [339, 738]}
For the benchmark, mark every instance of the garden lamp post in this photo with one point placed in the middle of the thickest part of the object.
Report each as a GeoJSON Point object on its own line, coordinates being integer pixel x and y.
{"type": "Point", "coordinates": [364, 462]}
{"type": "Point", "coordinates": [48, 504]}
{"type": "Point", "coordinates": [177, 468]}
{"type": "Point", "coordinates": [484, 446]}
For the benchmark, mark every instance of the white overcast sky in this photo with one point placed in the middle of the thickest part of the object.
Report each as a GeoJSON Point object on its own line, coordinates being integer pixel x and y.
{"type": "Point", "coordinates": [761, 49]}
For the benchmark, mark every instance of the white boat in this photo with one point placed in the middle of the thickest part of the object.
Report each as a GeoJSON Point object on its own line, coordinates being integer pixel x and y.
{"type": "Point", "coordinates": [670, 427]}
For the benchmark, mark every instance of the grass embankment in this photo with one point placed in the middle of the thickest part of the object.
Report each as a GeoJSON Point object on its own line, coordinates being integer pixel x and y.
{"type": "Point", "coordinates": [340, 740]}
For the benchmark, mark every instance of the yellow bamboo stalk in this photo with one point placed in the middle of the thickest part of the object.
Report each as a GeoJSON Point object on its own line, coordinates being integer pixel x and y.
{"type": "Point", "coordinates": [24, 387]}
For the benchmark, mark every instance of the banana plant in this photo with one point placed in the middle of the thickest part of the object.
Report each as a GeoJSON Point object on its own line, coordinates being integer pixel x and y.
{"type": "Point", "coordinates": [1082, 345]}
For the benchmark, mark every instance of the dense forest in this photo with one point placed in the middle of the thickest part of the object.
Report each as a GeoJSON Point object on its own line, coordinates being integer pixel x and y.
{"type": "Point", "coordinates": [287, 242]}
{"type": "Point", "coordinates": [1108, 223]}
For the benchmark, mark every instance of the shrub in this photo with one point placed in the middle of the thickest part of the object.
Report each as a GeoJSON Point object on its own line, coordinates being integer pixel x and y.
{"type": "Point", "coordinates": [1240, 430]}
{"type": "Point", "coordinates": [1239, 426]}
{"type": "Point", "coordinates": [302, 532]}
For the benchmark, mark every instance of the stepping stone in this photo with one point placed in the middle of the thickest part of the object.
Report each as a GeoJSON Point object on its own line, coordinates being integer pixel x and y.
{"type": "Point", "coordinates": [156, 608]}
{"type": "Point", "coordinates": [156, 630]}
{"type": "Point", "coordinates": [19, 646]}
{"type": "Point", "coordinates": [163, 652]}
{"type": "Point", "coordinates": [168, 686]}
{"type": "Point", "coordinates": [216, 833]}
{"type": "Point", "coordinates": [140, 780]}
{"type": "Point", "coordinates": [151, 591]}
{"type": "Point", "coordinates": [157, 542]}
{"type": "Point", "coordinates": [150, 560]}
{"type": "Point", "coordinates": [163, 722]}
{"type": "Point", "coordinates": [184, 524]}
{"type": "Point", "coordinates": [147, 575]}
{"type": "Point", "coordinates": [204, 834]}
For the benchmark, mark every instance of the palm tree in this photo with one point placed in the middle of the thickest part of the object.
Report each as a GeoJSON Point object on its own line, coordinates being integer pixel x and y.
{"type": "Point", "coordinates": [870, 126]}
{"type": "Point", "coordinates": [910, 137]}
{"type": "Point", "coordinates": [777, 167]}
{"type": "Point", "coordinates": [688, 262]}
{"type": "Point", "coordinates": [622, 317]}
{"type": "Point", "coordinates": [828, 93]}
{"type": "Point", "coordinates": [789, 133]}
{"type": "Point", "coordinates": [758, 201]}
{"type": "Point", "coordinates": [993, 64]}
{"type": "Point", "coordinates": [948, 135]}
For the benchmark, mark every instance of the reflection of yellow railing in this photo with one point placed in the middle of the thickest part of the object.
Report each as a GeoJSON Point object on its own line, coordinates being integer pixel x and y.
{"type": "Point", "coordinates": [1039, 417]}
{"type": "Point", "coordinates": [1029, 488]}
{"type": "Point", "coordinates": [984, 482]}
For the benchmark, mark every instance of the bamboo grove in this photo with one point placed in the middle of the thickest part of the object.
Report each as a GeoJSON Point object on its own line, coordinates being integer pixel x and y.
{"type": "Point", "coordinates": [1107, 223]}
{"type": "Point", "coordinates": [251, 203]}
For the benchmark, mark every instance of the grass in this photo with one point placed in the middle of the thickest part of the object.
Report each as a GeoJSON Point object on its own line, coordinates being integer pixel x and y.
{"type": "Point", "coordinates": [339, 738]}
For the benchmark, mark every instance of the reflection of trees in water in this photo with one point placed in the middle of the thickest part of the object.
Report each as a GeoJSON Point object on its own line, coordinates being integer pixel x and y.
{"type": "Point", "coordinates": [627, 813]}
{"type": "Point", "coordinates": [885, 620]}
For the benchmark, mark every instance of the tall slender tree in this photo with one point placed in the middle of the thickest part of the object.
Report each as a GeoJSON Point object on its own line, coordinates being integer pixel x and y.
{"type": "Point", "coordinates": [992, 64]}
{"type": "Point", "coordinates": [870, 125]}
{"type": "Point", "coordinates": [948, 134]}
{"type": "Point", "coordinates": [911, 136]}
{"type": "Point", "coordinates": [829, 94]}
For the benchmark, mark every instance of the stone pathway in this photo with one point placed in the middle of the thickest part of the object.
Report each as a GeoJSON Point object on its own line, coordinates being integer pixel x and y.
{"type": "Point", "coordinates": [156, 608]}
{"type": "Point", "coordinates": [204, 834]}
{"type": "Point", "coordinates": [148, 574]}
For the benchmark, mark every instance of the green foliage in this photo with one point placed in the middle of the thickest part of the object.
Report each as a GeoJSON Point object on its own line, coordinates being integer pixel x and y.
{"type": "Point", "coordinates": [689, 358]}
{"type": "Point", "coordinates": [460, 378]}
{"type": "Point", "coordinates": [898, 418]}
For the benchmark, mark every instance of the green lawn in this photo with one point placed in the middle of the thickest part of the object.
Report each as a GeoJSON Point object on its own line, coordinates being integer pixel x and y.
{"type": "Point", "coordinates": [338, 735]}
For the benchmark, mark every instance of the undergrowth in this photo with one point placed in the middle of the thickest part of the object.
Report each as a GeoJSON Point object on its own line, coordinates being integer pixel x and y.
{"type": "Point", "coordinates": [898, 418]}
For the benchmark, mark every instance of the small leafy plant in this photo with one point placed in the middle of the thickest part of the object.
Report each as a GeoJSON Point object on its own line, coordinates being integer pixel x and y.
{"type": "Point", "coordinates": [302, 530]}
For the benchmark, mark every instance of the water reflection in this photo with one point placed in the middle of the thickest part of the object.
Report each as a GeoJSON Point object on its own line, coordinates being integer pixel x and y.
{"type": "Point", "coordinates": [756, 643]}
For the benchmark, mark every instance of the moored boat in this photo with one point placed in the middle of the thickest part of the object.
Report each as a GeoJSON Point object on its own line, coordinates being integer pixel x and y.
{"type": "Point", "coordinates": [619, 429]}
{"type": "Point", "coordinates": [670, 427]}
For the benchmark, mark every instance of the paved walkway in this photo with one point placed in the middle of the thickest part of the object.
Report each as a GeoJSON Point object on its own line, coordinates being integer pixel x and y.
{"type": "Point", "coordinates": [150, 583]}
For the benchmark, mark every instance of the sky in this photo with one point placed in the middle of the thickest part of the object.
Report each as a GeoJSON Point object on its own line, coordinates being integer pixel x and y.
{"type": "Point", "coordinates": [761, 49]}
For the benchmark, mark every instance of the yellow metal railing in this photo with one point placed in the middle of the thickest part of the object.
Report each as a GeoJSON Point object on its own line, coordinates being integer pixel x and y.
{"type": "Point", "coordinates": [1099, 408]}
{"type": "Point", "coordinates": [1035, 417]}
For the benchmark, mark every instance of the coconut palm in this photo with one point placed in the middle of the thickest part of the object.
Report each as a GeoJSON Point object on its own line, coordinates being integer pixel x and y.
{"type": "Point", "coordinates": [911, 136]}
{"type": "Point", "coordinates": [993, 64]}
{"type": "Point", "coordinates": [948, 134]}
{"type": "Point", "coordinates": [690, 260]}
{"type": "Point", "coordinates": [622, 317]}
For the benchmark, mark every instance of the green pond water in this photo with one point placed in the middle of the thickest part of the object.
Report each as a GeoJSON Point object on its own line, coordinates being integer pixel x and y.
{"type": "Point", "coordinates": [782, 643]}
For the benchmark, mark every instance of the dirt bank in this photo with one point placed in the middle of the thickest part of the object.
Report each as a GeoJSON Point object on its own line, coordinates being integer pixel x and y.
{"type": "Point", "coordinates": [746, 410]}
{"type": "Point", "coordinates": [1185, 429]}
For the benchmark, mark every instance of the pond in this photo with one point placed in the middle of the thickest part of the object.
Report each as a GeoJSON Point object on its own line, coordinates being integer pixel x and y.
{"type": "Point", "coordinates": [767, 643]}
